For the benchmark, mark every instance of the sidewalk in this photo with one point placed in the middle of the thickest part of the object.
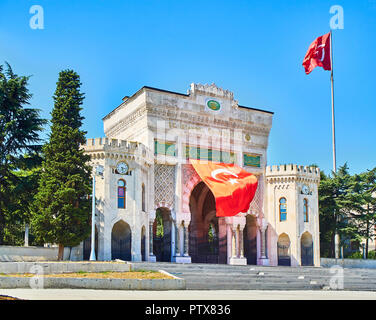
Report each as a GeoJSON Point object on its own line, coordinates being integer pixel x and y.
{"type": "Point", "coordinates": [85, 294]}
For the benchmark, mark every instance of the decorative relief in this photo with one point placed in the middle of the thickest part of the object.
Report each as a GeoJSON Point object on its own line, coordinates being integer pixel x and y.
{"type": "Point", "coordinates": [164, 186]}
{"type": "Point", "coordinates": [257, 202]}
{"type": "Point", "coordinates": [190, 179]}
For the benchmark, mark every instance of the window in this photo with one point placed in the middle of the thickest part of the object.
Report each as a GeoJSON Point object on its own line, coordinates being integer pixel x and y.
{"type": "Point", "coordinates": [121, 193]}
{"type": "Point", "coordinates": [305, 210]}
{"type": "Point", "coordinates": [282, 209]}
{"type": "Point", "coordinates": [143, 198]}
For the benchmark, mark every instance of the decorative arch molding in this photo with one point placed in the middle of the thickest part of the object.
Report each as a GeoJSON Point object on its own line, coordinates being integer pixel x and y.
{"type": "Point", "coordinates": [163, 204]}
{"type": "Point", "coordinates": [120, 218]}
{"type": "Point", "coordinates": [255, 208]}
{"type": "Point", "coordinates": [190, 180]}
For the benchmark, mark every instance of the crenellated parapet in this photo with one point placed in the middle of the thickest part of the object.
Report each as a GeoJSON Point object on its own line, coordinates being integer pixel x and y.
{"type": "Point", "coordinates": [101, 148]}
{"type": "Point", "coordinates": [292, 172]}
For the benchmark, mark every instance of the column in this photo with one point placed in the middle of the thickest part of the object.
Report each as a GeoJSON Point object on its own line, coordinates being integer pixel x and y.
{"type": "Point", "coordinates": [233, 244]}
{"type": "Point", "coordinates": [177, 241]}
{"type": "Point", "coordinates": [263, 243]}
{"type": "Point", "coordinates": [241, 239]}
{"type": "Point", "coordinates": [152, 257]}
{"type": "Point", "coordinates": [237, 242]}
{"type": "Point", "coordinates": [263, 238]}
{"type": "Point", "coordinates": [229, 243]}
{"type": "Point", "coordinates": [186, 239]}
{"type": "Point", "coordinates": [237, 252]}
{"type": "Point", "coordinates": [172, 240]}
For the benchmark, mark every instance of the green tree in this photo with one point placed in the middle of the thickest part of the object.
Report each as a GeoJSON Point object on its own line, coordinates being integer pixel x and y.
{"type": "Point", "coordinates": [22, 197]}
{"type": "Point", "coordinates": [364, 207]}
{"type": "Point", "coordinates": [19, 137]}
{"type": "Point", "coordinates": [62, 204]}
{"type": "Point", "coordinates": [336, 206]}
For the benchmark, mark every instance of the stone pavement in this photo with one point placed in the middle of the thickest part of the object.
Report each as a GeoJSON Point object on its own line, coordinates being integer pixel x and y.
{"type": "Point", "coordinates": [86, 294]}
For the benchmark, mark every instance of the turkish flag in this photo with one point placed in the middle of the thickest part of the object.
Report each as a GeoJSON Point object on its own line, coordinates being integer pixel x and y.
{"type": "Point", "coordinates": [232, 187]}
{"type": "Point", "coordinates": [318, 54]}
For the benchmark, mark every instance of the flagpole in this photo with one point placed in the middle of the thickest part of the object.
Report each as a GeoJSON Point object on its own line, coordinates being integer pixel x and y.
{"type": "Point", "coordinates": [333, 122]}
{"type": "Point", "coordinates": [336, 235]}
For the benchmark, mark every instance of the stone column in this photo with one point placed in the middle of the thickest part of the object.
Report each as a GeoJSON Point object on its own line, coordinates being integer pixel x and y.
{"type": "Point", "coordinates": [241, 239]}
{"type": "Point", "coordinates": [233, 255]}
{"type": "Point", "coordinates": [177, 240]}
{"type": "Point", "coordinates": [229, 243]}
{"type": "Point", "coordinates": [237, 242]}
{"type": "Point", "coordinates": [152, 257]}
{"type": "Point", "coordinates": [263, 243]}
{"type": "Point", "coordinates": [263, 254]}
{"type": "Point", "coordinates": [186, 240]}
{"type": "Point", "coordinates": [172, 240]}
{"type": "Point", "coordinates": [237, 256]}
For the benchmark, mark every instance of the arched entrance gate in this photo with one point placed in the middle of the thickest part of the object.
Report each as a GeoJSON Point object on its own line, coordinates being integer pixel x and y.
{"type": "Point", "coordinates": [162, 235]}
{"type": "Point", "coordinates": [121, 241]}
{"type": "Point", "coordinates": [207, 233]}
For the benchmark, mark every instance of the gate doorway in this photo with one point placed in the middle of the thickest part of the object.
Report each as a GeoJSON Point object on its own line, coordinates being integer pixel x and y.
{"type": "Point", "coordinates": [207, 233]}
{"type": "Point", "coordinates": [283, 246]}
{"type": "Point", "coordinates": [162, 235]}
{"type": "Point", "coordinates": [306, 245]}
{"type": "Point", "coordinates": [250, 240]}
{"type": "Point", "coordinates": [121, 241]}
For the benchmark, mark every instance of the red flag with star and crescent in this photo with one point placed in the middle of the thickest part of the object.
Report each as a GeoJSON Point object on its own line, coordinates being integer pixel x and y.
{"type": "Point", "coordinates": [233, 187]}
{"type": "Point", "coordinates": [318, 54]}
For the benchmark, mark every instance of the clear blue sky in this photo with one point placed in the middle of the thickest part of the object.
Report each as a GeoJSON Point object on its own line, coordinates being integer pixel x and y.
{"type": "Point", "coordinates": [253, 48]}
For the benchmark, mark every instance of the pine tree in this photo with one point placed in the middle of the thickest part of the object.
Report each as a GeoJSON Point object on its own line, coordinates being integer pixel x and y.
{"type": "Point", "coordinates": [62, 205]}
{"type": "Point", "coordinates": [19, 142]}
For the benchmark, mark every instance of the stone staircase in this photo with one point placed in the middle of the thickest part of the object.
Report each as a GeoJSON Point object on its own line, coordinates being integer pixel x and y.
{"type": "Point", "coordinates": [227, 277]}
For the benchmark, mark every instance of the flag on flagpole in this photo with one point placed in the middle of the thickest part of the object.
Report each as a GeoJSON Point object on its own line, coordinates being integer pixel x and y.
{"type": "Point", "coordinates": [318, 54]}
{"type": "Point", "coordinates": [233, 187]}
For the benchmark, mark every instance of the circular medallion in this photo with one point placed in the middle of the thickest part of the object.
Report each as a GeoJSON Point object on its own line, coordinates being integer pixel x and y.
{"type": "Point", "coordinates": [247, 137]}
{"type": "Point", "coordinates": [213, 105]}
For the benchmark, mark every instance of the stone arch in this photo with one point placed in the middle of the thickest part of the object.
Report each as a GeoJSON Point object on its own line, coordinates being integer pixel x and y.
{"type": "Point", "coordinates": [162, 228]}
{"type": "Point", "coordinates": [121, 241]}
{"type": "Point", "coordinates": [207, 233]}
{"type": "Point", "coordinates": [306, 249]}
{"type": "Point", "coordinates": [283, 247]}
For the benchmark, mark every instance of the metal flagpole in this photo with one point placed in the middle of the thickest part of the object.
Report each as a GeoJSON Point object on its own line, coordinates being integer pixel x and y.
{"type": "Point", "coordinates": [336, 235]}
{"type": "Point", "coordinates": [333, 123]}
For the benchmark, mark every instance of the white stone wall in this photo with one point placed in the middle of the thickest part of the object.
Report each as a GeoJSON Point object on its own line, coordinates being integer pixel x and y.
{"type": "Point", "coordinates": [287, 181]}
{"type": "Point", "coordinates": [184, 119]}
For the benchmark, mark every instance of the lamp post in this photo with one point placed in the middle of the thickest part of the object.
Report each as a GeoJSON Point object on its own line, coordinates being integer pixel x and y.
{"type": "Point", "coordinates": [98, 170]}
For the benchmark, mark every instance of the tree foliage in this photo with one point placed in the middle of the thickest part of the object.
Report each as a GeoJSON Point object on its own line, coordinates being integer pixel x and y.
{"type": "Point", "coordinates": [62, 206]}
{"type": "Point", "coordinates": [347, 205]}
{"type": "Point", "coordinates": [19, 147]}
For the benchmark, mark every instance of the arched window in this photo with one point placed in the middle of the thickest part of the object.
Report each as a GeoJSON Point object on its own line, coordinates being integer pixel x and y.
{"type": "Point", "coordinates": [143, 198]}
{"type": "Point", "coordinates": [282, 209]}
{"type": "Point", "coordinates": [305, 210]}
{"type": "Point", "coordinates": [121, 194]}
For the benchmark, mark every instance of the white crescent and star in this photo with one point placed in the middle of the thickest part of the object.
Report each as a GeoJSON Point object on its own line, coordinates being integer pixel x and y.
{"type": "Point", "coordinates": [218, 171]}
